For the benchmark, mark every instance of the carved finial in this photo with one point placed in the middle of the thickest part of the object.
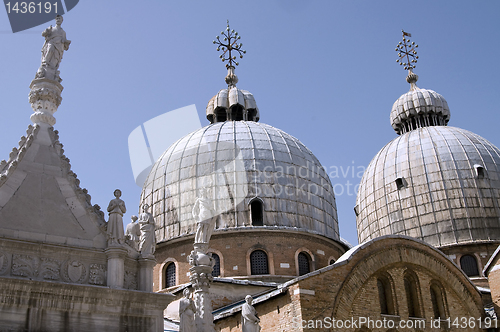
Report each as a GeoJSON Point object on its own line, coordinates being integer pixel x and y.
{"type": "Point", "coordinates": [229, 47]}
{"type": "Point", "coordinates": [407, 53]}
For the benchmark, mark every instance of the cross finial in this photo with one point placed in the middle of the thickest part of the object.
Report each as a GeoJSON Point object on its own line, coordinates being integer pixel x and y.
{"type": "Point", "coordinates": [229, 46]}
{"type": "Point", "coordinates": [407, 52]}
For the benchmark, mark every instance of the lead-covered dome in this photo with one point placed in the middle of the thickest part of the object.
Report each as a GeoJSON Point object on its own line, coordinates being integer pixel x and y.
{"type": "Point", "coordinates": [239, 163]}
{"type": "Point", "coordinates": [439, 184]}
{"type": "Point", "coordinates": [436, 183]}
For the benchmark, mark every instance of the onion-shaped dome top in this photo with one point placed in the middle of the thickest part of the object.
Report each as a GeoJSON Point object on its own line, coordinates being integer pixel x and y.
{"type": "Point", "coordinates": [418, 108]}
{"type": "Point", "coordinates": [439, 184]}
{"type": "Point", "coordinates": [255, 175]}
{"type": "Point", "coordinates": [232, 103]}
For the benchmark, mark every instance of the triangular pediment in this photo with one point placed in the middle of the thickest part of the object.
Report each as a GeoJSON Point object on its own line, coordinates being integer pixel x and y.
{"type": "Point", "coordinates": [40, 197]}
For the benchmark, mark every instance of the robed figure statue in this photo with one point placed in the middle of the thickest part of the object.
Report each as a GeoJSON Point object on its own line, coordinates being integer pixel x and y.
{"type": "Point", "coordinates": [147, 241]}
{"type": "Point", "coordinates": [249, 319]}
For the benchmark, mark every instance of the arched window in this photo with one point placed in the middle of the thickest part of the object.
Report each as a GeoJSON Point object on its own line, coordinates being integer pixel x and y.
{"type": "Point", "coordinates": [237, 113]}
{"type": "Point", "coordinates": [257, 213]}
{"type": "Point", "coordinates": [220, 114]}
{"type": "Point", "coordinates": [304, 262]}
{"type": "Point", "coordinates": [411, 290]}
{"type": "Point", "coordinates": [332, 261]}
{"type": "Point", "coordinates": [259, 263]}
{"type": "Point", "coordinates": [468, 263]}
{"type": "Point", "coordinates": [170, 275]}
{"type": "Point", "coordinates": [385, 296]}
{"type": "Point", "coordinates": [438, 300]}
{"type": "Point", "coordinates": [216, 270]}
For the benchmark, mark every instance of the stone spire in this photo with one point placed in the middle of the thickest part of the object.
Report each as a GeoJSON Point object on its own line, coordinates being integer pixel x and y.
{"type": "Point", "coordinates": [46, 88]}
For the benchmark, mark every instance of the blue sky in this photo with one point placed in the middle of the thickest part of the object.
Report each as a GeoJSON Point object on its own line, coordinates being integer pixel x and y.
{"type": "Point", "coordinates": [323, 71]}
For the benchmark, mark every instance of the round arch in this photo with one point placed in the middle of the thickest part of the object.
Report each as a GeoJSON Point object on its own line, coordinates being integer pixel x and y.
{"type": "Point", "coordinates": [163, 267]}
{"type": "Point", "coordinates": [270, 259]}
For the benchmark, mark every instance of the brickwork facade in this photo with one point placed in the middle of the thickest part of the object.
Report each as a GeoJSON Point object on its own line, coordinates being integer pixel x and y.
{"type": "Point", "coordinates": [348, 291]}
{"type": "Point", "coordinates": [234, 249]}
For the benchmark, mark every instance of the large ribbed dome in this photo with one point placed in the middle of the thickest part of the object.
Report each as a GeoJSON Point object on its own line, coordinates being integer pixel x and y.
{"type": "Point", "coordinates": [239, 162]}
{"type": "Point", "coordinates": [439, 184]}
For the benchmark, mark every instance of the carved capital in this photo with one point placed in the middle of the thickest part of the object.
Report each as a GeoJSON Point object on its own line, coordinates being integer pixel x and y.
{"type": "Point", "coordinates": [45, 98]}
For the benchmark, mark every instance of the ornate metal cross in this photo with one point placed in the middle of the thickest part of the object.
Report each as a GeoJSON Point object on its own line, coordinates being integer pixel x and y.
{"type": "Point", "coordinates": [229, 44]}
{"type": "Point", "coordinates": [407, 50]}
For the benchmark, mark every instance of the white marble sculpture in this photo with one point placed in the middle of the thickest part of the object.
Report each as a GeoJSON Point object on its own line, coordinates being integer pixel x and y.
{"type": "Point", "coordinates": [147, 242]}
{"type": "Point", "coordinates": [249, 319]}
{"type": "Point", "coordinates": [186, 312]}
{"type": "Point", "coordinates": [52, 51]}
{"type": "Point", "coordinates": [116, 209]}
{"type": "Point", "coordinates": [133, 233]}
{"type": "Point", "coordinates": [203, 213]}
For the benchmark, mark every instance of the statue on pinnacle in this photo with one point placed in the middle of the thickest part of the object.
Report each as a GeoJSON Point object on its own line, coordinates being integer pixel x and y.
{"type": "Point", "coordinates": [52, 51]}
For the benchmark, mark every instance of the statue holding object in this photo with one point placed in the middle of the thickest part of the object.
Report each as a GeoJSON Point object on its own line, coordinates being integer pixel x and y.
{"type": "Point", "coordinates": [52, 51]}
{"type": "Point", "coordinates": [147, 241]}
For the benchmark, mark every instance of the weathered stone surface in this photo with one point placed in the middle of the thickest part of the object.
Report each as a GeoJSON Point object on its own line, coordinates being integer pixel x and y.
{"type": "Point", "coordinates": [46, 306]}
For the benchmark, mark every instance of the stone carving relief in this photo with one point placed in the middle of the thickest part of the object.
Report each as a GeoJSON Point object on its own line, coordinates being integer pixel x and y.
{"type": "Point", "coordinates": [50, 269]}
{"type": "Point", "coordinates": [24, 266]}
{"type": "Point", "coordinates": [130, 281]}
{"type": "Point", "coordinates": [74, 271]}
{"type": "Point", "coordinates": [35, 268]}
{"type": "Point", "coordinates": [4, 263]}
{"type": "Point", "coordinates": [97, 275]}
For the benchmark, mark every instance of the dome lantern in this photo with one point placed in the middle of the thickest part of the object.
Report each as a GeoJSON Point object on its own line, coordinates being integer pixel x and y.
{"type": "Point", "coordinates": [231, 104]}
{"type": "Point", "coordinates": [418, 107]}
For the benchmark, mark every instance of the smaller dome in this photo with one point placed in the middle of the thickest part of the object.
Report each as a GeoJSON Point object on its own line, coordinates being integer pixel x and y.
{"type": "Point", "coordinates": [418, 108]}
{"type": "Point", "coordinates": [232, 104]}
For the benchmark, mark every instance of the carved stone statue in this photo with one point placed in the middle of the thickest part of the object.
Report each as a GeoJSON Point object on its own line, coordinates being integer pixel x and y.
{"type": "Point", "coordinates": [116, 209]}
{"type": "Point", "coordinates": [204, 213]}
{"type": "Point", "coordinates": [52, 51]}
{"type": "Point", "coordinates": [133, 233]}
{"type": "Point", "coordinates": [186, 312]}
{"type": "Point", "coordinates": [147, 243]}
{"type": "Point", "coordinates": [249, 320]}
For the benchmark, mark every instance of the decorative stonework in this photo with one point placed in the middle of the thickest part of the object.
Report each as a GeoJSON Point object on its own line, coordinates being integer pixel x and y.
{"type": "Point", "coordinates": [35, 268]}
{"type": "Point", "coordinates": [97, 275]}
{"type": "Point", "coordinates": [45, 98]}
{"type": "Point", "coordinates": [4, 263]}
{"type": "Point", "coordinates": [130, 281]}
{"type": "Point", "coordinates": [201, 278]}
{"type": "Point", "coordinates": [24, 266]}
{"type": "Point", "coordinates": [50, 269]}
{"type": "Point", "coordinates": [74, 271]}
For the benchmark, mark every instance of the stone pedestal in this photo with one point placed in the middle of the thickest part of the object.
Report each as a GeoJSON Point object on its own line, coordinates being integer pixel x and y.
{"type": "Point", "coordinates": [45, 98]}
{"type": "Point", "coordinates": [146, 265]}
{"type": "Point", "coordinates": [201, 277]}
{"type": "Point", "coordinates": [116, 266]}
